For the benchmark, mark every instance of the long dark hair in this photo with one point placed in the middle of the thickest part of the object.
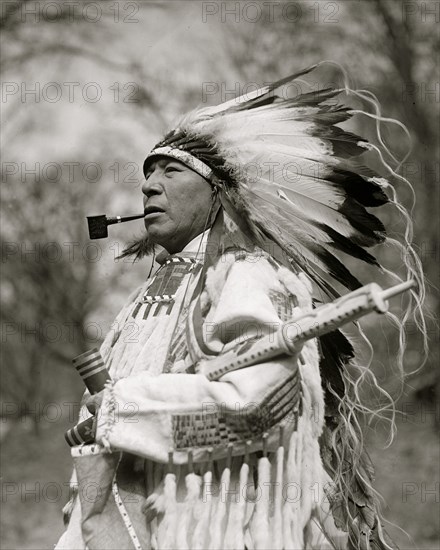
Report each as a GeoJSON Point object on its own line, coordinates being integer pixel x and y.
{"type": "Point", "coordinates": [138, 249]}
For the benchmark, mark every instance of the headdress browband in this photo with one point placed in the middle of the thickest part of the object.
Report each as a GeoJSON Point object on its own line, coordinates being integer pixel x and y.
{"type": "Point", "coordinates": [183, 156]}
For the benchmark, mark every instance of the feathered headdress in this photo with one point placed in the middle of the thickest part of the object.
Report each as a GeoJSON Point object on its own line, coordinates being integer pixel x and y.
{"type": "Point", "coordinates": [286, 176]}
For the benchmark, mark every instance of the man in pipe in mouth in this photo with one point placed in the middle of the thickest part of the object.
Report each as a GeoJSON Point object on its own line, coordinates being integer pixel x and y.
{"type": "Point", "coordinates": [250, 202]}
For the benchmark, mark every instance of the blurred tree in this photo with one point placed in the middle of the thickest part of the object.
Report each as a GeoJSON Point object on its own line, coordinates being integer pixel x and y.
{"type": "Point", "coordinates": [50, 278]}
{"type": "Point", "coordinates": [46, 297]}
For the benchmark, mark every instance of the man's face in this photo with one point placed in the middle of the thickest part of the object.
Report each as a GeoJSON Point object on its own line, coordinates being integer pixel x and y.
{"type": "Point", "coordinates": [177, 202]}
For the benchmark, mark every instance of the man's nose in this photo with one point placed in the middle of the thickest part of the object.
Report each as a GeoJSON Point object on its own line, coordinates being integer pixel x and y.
{"type": "Point", "coordinates": [151, 185]}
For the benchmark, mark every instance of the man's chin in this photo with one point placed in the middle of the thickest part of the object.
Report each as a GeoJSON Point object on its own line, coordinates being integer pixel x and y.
{"type": "Point", "coordinates": [158, 235]}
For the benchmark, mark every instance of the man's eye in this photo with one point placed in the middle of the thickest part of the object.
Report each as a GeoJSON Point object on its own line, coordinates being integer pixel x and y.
{"type": "Point", "coordinates": [171, 169]}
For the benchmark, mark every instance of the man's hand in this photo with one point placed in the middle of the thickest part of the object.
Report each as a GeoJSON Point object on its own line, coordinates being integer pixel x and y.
{"type": "Point", "coordinates": [94, 402]}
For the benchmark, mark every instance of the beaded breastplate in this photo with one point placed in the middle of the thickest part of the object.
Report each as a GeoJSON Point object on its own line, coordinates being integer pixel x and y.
{"type": "Point", "coordinates": [161, 292]}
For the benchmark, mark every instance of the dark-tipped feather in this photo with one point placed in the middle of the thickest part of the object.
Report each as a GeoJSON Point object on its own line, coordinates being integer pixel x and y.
{"type": "Point", "coordinates": [370, 226]}
{"type": "Point", "coordinates": [345, 144]}
{"type": "Point", "coordinates": [348, 246]}
{"type": "Point", "coordinates": [336, 352]}
{"type": "Point", "coordinates": [358, 187]}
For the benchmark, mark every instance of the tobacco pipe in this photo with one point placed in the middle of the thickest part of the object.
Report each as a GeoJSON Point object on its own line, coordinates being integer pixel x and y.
{"type": "Point", "coordinates": [98, 224]}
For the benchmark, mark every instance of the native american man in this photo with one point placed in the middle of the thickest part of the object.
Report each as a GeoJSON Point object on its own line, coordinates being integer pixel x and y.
{"type": "Point", "coordinates": [266, 456]}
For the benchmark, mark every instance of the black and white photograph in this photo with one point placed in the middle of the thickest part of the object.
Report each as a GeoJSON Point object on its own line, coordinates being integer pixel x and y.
{"type": "Point", "coordinates": [219, 275]}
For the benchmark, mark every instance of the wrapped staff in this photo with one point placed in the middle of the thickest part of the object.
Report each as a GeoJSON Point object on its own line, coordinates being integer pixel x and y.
{"type": "Point", "coordinates": [90, 366]}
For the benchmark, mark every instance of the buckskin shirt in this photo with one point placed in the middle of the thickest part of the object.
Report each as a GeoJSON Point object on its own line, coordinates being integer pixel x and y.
{"type": "Point", "coordinates": [186, 461]}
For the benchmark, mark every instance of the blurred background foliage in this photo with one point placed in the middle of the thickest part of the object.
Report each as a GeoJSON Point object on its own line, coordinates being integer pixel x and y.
{"type": "Point", "coordinates": [125, 70]}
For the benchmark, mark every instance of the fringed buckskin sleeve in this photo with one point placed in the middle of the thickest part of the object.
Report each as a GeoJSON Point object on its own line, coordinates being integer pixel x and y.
{"type": "Point", "coordinates": [150, 415]}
